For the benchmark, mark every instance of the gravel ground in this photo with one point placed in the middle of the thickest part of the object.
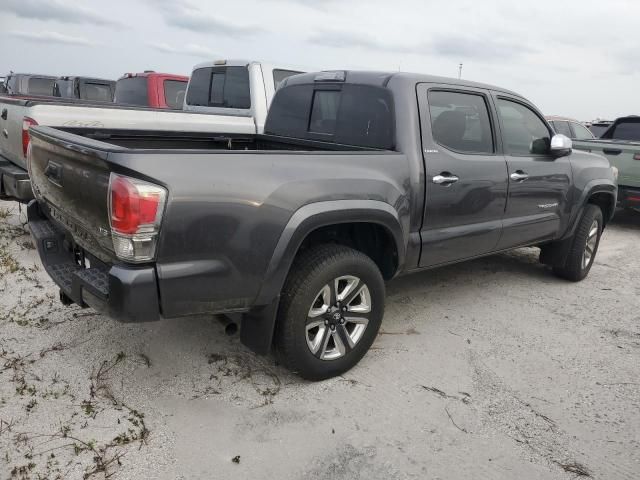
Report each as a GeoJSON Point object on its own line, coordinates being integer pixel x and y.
{"type": "Point", "coordinates": [493, 369]}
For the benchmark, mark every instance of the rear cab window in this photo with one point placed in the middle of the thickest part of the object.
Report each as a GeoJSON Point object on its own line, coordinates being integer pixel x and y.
{"type": "Point", "coordinates": [461, 122]}
{"type": "Point", "coordinates": [347, 114]}
{"type": "Point", "coordinates": [628, 129]}
{"type": "Point", "coordinates": [174, 91]}
{"type": "Point", "coordinates": [40, 86]}
{"type": "Point", "coordinates": [100, 92]}
{"type": "Point", "coordinates": [132, 91]}
{"type": "Point", "coordinates": [223, 87]}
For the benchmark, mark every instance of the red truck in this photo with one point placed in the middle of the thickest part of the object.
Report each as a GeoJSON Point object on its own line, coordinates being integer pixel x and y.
{"type": "Point", "coordinates": [151, 89]}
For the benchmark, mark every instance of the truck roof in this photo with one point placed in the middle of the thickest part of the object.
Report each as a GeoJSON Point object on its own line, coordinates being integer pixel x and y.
{"type": "Point", "coordinates": [151, 73]}
{"type": "Point", "coordinates": [244, 63]}
{"type": "Point", "coordinates": [382, 78]}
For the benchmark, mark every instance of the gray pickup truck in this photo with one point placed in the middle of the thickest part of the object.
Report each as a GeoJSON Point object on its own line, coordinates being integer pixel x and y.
{"type": "Point", "coordinates": [358, 178]}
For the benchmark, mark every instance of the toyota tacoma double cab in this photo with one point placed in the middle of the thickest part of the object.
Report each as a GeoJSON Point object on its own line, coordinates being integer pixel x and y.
{"type": "Point", "coordinates": [359, 177]}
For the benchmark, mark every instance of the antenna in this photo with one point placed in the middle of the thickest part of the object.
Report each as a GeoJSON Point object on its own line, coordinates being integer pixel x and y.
{"type": "Point", "coordinates": [460, 71]}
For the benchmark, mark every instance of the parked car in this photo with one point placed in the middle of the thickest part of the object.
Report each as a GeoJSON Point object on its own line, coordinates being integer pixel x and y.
{"type": "Point", "coordinates": [27, 84]}
{"type": "Point", "coordinates": [84, 88]}
{"type": "Point", "coordinates": [151, 89]}
{"type": "Point", "coordinates": [620, 143]}
{"type": "Point", "coordinates": [359, 177]}
{"type": "Point", "coordinates": [571, 128]}
{"type": "Point", "coordinates": [104, 119]}
{"type": "Point", "coordinates": [599, 127]}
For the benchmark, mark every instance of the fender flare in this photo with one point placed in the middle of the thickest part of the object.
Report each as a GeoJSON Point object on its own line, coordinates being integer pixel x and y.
{"type": "Point", "coordinates": [258, 325]}
{"type": "Point", "coordinates": [594, 186]}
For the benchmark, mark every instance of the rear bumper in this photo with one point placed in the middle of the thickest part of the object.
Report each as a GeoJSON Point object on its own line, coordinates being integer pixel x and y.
{"type": "Point", "coordinates": [14, 182]}
{"type": "Point", "coordinates": [125, 293]}
{"type": "Point", "coordinates": [629, 197]}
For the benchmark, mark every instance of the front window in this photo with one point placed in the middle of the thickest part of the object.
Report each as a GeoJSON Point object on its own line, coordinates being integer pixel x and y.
{"type": "Point", "coordinates": [563, 128]}
{"type": "Point", "coordinates": [524, 133]}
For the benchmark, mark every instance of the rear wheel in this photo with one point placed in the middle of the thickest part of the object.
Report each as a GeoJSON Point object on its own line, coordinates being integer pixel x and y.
{"type": "Point", "coordinates": [583, 247]}
{"type": "Point", "coordinates": [330, 311]}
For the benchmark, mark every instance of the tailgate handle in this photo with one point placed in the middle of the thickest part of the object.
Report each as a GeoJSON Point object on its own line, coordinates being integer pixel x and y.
{"type": "Point", "coordinates": [4, 114]}
{"type": "Point", "coordinates": [611, 151]}
{"type": "Point", "coordinates": [53, 172]}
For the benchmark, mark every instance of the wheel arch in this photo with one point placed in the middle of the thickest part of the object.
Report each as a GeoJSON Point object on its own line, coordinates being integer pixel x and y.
{"type": "Point", "coordinates": [258, 325]}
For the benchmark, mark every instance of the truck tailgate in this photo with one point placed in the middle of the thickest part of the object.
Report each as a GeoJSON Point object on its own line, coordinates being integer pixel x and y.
{"type": "Point", "coordinates": [71, 180]}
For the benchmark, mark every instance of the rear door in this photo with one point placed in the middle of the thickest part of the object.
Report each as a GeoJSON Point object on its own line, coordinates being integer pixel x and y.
{"type": "Point", "coordinates": [466, 174]}
{"type": "Point", "coordinates": [538, 197]}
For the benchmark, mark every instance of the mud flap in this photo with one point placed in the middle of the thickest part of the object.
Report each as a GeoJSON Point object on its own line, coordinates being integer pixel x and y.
{"type": "Point", "coordinates": [257, 327]}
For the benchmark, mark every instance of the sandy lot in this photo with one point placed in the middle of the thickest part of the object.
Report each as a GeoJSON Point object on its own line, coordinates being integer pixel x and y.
{"type": "Point", "coordinates": [492, 369]}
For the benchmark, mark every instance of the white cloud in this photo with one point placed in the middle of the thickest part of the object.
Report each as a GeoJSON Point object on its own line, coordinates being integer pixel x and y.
{"type": "Point", "coordinates": [58, 10]}
{"type": "Point", "coordinates": [53, 37]}
{"type": "Point", "coordinates": [192, 49]}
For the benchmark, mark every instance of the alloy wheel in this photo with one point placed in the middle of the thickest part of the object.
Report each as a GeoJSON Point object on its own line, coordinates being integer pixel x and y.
{"type": "Point", "coordinates": [338, 317]}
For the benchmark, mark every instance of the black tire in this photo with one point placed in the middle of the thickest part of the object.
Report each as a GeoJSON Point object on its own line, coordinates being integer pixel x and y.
{"type": "Point", "coordinates": [574, 267]}
{"type": "Point", "coordinates": [312, 272]}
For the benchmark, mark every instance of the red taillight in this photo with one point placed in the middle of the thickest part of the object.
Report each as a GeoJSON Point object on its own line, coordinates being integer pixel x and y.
{"type": "Point", "coordinates": [135, 213]}
{"type": "Point", "coordinates": [26, 123]}
{"type": "Point", "coordinates": [134, 205]}
{"type": "Point", "coordinates": [636, 156]}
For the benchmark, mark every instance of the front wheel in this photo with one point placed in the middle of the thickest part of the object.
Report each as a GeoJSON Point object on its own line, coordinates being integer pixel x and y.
{"type": "Point", "coordinates": [584, 245]}
{"type": "Point", "coordinates": [330, 311]}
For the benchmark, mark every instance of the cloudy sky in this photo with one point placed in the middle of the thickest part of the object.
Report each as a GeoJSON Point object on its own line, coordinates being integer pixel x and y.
{"type": "Point", "coordinates": [571, 57]}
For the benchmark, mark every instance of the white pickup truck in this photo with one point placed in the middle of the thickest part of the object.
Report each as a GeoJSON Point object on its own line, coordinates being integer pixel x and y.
{"type": "Point", "coordinates": [230, 97]}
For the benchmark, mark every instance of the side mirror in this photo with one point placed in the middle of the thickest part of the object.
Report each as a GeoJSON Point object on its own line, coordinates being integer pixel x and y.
{"type": "Point", "coordinates": [561, 146]}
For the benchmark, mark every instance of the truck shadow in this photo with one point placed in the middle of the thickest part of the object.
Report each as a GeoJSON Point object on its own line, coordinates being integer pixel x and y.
{"type": "Point", "coordinates": [626, 219]}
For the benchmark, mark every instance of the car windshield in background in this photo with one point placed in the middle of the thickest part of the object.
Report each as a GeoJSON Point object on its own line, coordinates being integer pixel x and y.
{"type": "Point", "coordinates": [581, 132]}
{"type": "Point", "coordinates": [598, 130]}
{"type": "Point", "coordinates": [280, 75]}
{"type": "Point", "coordinates": [358, 115]}
{"type": "Point", "coordinates": [562, 127]}
{"type": "Point", "coordinates": [626, 130]}
{"type": "Point", "coordinates": [174, 93]}
{"type": "Point", "coordinates": [40, 86]}
{"type": "Point", "coordinates": [225, 87]}
{"type": "Point", "coordinates": [132, 91]}
{"type": "Point", "coordinates": [96, 91]}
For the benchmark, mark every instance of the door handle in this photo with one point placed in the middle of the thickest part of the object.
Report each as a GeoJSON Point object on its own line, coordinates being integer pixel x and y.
{"type": "Point", "coordinates": [519, 176]}
{"type": "Point", "coordinates": [4, 114]}
{"type": "Point", "coordinates": [445, 178]}
{"type": "Point", "coordinates": [611, 151]}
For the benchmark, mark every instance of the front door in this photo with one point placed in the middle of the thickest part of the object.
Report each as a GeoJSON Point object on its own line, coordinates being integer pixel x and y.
{"type": "Point", "coordinates": [538, 182]}
{"type": "Point", "coordinates": [466, 175]}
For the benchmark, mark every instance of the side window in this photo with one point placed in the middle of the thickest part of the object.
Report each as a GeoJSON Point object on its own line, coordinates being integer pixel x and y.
{"type": "Point", "coordinates": [460, 121]}
{"type": "Point", "coordinates": [280, 75]}
{"type": "Point", "coordinates": [563, 128]}
{"type": "Point", "coordinates": [524, 133]}
{"type": "Point", "coordinates": [581, 132]}
{"type": "Point", "coordinates": [198, 89]}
